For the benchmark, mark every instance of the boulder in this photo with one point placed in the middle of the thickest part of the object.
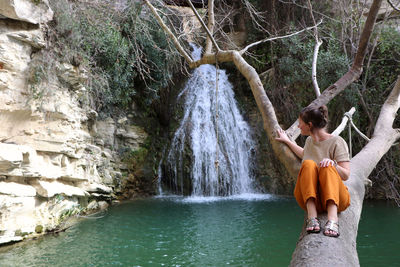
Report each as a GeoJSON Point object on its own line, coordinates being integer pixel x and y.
{"type": "Point", "coordinates": [97, 188]}
{"type": "Point", "coordinates": [31, 11]}
{"type": "Point", "coordinates": [93, 205]}
{"type": "Point", "coordinates": [103, 205]}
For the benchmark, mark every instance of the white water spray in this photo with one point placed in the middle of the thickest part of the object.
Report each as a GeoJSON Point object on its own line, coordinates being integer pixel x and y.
{"type": "Point", "coordinates": [198, 131]}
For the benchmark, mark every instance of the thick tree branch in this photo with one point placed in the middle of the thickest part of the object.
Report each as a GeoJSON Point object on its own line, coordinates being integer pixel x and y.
{"type": "Point", "coordinates": [290, 161]}
{"type": "Point", "coordinates": [389, 109]}
{"type": "Point", "coordinates": [343, 124]}
{"type": "Point", "coordinates": [169, 32]}
{"type": "Point", "coordinates": [366, 35]}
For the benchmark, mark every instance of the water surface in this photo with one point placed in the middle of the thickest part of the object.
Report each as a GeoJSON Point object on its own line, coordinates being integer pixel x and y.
{"type": "Point", "coordinates": [253, 230]}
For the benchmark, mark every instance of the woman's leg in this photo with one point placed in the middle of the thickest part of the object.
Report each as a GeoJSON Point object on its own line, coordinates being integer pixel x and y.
{"type": "Point", "coordinates": [311, 208]}
{"type": "Point", "coordinates": [332, 188]}
{"type": "Point", "coordinates": [334, 194]}
{"type": "Point", "coordinates": [306, 190]}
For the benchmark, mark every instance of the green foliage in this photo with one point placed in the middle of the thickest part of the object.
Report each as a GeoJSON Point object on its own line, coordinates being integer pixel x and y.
{"type": "Point", "coordinates": [36, 76]}
{"type": "Point", "coordinates": [127, 53]}
{"type": "Point", "coordinates": [295, 62]}
{"type": "Point", "coordinates": [135, 158]}
{"type": "Point", "coordinates": [39, 74]}
{"type": "Point", "coordinates": [385, 64]}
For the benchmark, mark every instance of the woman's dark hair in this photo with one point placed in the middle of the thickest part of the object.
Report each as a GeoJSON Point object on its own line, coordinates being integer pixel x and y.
{"type": "Point", "coordinates": [318, 116]}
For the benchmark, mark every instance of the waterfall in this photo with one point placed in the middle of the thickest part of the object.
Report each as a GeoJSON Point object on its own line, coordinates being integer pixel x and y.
{"type": "Point", "coordinates": [195, 143]}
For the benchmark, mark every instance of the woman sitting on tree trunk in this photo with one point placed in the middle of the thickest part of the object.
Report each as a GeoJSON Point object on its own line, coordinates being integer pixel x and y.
{"type": "Point", "coordinates": [325, 164]}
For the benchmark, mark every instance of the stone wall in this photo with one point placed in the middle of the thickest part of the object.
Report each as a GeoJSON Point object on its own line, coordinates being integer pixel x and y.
{"type": "Point", "coordinates": [56, 158]}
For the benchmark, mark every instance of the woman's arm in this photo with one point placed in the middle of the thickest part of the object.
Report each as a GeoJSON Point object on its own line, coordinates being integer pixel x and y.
{"type": "Point", "coordinates": [282, 137]}
{"type": "Point", "coordinates": [343, 169]}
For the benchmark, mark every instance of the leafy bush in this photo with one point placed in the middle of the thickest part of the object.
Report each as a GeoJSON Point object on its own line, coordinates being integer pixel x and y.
{"type": "Point", "coordinates": [295, 62]}
{"type": "Point", "coordinates": [134, 159]}
{"type": "Point", "coordinates": [127, 53]}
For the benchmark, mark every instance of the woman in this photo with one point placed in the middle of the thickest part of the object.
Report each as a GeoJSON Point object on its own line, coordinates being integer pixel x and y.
{"type": "Point", "coordinates": [325, 163]}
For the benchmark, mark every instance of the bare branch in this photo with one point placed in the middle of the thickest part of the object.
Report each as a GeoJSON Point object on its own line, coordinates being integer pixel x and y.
{"type": "Point", "coordinates": [255, 15]}
{"type": "Point", "coordinates": [203, 24]}
{"type": "Point", "coordinates": [318, 43]}
{"type": "Point", "coordinates": [211, 24]}
{"type": "Point", "coordinates": [167, 30]}
{"type": "Point", "coordinates": [393, 6]}
{"type": "Point", "coordinates": [319, 13]}
{"type": "Point", "coordinates": [276, 38]}
{"type": "Point", "coordinates": [343, 124]}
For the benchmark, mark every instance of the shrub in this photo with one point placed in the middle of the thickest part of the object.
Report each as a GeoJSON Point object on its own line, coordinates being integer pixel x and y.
{"type": "Point", "coordinates": [127, 54]}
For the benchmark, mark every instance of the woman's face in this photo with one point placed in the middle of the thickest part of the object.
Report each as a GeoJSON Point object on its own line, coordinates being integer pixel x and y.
{"type": "Point", "coordinates": [305, 129]}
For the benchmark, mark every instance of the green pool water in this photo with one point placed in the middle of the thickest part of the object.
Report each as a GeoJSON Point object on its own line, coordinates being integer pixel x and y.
{"type": "Point", "coordinates": [258, 230]}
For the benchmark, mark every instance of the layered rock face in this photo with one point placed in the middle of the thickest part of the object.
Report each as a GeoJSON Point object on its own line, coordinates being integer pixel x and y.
{"type": "Point", "coordinates": [55, 155]}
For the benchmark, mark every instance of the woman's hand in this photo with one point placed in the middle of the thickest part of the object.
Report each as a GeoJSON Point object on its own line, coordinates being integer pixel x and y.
{"type": "Point", "coordinates": [282, 136]}
{"type": "Point", "coordinates": [327, 162]}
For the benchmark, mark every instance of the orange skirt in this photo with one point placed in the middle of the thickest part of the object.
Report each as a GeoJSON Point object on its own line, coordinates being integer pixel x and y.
{"type": "Point", "coordinates": [322, 184]}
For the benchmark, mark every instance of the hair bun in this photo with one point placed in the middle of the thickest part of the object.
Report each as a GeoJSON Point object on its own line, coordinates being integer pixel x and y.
{"type": "Point", "coordinates": [324, 111]}
{"type": "Point", "coordinates": [317, 115]}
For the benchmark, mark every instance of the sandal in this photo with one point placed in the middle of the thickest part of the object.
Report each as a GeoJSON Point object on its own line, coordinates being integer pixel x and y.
{"type": "Point", "coordinates": [333, 227]}
{"type": "Point", "coordinates": [313, 223]}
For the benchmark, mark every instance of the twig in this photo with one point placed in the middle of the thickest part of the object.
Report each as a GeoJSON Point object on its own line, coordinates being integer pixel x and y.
{"type": "Point", "coordinates": [165, 28]}
{"type": "Point", "coordinates": [203, 24]}
{"type": "Point", "coordinates": [276, 38]}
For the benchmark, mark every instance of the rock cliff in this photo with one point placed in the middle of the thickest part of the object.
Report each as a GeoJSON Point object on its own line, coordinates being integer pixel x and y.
{"type": "Point", "coordinates": [56, 156]}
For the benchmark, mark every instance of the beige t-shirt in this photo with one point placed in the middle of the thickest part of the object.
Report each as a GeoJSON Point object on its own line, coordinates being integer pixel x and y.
{"type": "Point", "coordinates": [334, 148]}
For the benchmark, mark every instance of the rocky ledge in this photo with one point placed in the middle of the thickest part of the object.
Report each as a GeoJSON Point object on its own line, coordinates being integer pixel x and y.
{"type": "Point", "coordinates": [56, 158]}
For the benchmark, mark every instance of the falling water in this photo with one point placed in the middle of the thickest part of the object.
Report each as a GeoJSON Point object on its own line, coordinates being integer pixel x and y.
{"type": "Point", "coordinates": [197, 135]}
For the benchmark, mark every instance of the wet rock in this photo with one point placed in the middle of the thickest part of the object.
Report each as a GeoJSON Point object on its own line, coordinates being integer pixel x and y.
{"type": "Point", "coordinates": [10, 239]}
{"type": "Point", "coordinates": [97, 188]}
{"type": "Point", "coordinates": [103, 205]}
{"type": "Point", "coordinates": [93, 205]}
{"type": "Point", "coordinates": [39, 229]}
